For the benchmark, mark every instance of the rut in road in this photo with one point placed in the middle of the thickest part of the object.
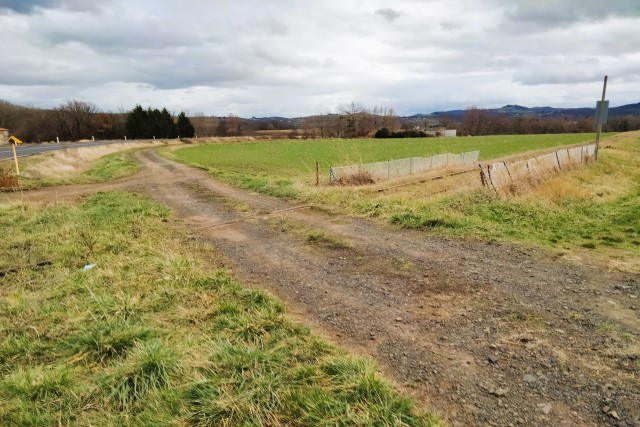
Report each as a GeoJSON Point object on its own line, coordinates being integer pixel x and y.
{"type": "Point", "coordinates": [456, 323]}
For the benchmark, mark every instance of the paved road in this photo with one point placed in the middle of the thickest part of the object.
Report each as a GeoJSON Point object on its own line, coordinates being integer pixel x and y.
{"type": "Point", "coordinates": [24, 150]}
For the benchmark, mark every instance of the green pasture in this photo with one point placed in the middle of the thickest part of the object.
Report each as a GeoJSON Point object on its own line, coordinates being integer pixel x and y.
{"type": "Point", "coordinates": [295, 159]}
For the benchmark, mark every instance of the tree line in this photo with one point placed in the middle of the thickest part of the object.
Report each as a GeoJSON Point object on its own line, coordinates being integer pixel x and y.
{"type": "Point", "coordinates": [476, 121]}
{"type": "Point", "coordinates": [76, 120]}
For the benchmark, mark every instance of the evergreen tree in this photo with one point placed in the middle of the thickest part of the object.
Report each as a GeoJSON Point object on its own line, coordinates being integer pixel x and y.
{"type": "Point", "coordinates": [137, 123]}
{"type": "Point", "coordinates": [168, 127]}
{"type": "Point", "coordinates": [185, 128]}
{"type": "Point", "coordinates": [149, 123]}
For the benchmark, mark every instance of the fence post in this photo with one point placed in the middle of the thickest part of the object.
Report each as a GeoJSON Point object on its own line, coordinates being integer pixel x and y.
{"type": "Point", "coordinates": [483, 179]}
{"type": "Point", "coordinates": [491, 180]}
{"type": "Point", "coordinates": [317, 174]}
{"type": "Point", "coordinates": [558, 159]}
{"type": "Point", "coordinates": [507, 169]}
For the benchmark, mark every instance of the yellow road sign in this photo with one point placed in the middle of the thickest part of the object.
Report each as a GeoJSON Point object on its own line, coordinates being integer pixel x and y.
{"type": "Point", "coordinates": [16, 140]}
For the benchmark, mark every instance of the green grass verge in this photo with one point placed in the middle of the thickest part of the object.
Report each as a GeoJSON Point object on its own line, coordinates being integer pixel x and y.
{"type": "Point", "coordinates": [154, 335]}
{"type": "Point", "coordinates": [567, 223]}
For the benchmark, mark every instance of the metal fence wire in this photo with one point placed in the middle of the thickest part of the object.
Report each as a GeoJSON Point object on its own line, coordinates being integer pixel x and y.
{"type": "Point", "coordinates": [505, 177]}
{"type": "Point", "coordinates": [380, 171]}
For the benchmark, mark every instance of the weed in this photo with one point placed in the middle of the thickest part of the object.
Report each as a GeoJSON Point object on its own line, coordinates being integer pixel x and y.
{"type": "Point", "coordinates": [107, 340]}
{"type": "Point", "coordinates": [37, 383]}
{"type": "Point", "coordinates": [151, 367]}
{"type": "Point", "coordinates": [328, 241]}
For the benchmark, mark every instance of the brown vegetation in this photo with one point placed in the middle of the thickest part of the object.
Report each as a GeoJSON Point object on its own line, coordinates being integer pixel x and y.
{"type": "Point", "coordinates": [360, 178]}
{"type": "Point", "coordinates": [8, 180]}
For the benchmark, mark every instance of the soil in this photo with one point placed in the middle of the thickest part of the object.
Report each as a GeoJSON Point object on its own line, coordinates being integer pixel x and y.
{"type": "Point", "coordinates": [483, 333]}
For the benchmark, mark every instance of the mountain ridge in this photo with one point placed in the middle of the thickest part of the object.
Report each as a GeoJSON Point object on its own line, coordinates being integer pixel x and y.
{"type": "Point", "coordinates": [513, 110]}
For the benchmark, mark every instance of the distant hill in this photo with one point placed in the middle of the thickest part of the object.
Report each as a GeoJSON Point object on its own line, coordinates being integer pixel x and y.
{"type": "Point", "coordinates": [519, 110]}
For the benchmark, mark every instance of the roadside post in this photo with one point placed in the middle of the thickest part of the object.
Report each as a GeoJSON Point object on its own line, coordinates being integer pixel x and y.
{"type": "Point", "coordinates": [15, 141]}
{"type": "Point", "coordinates": [602, 108]}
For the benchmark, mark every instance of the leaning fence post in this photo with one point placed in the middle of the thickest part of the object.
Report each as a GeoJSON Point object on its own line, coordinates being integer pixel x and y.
{"type": "Point", "coordinates": [558, 159]}
{"type": "Point", "coordinates": [491, 180]}
{"type": "Point", "coordinates": [317, 174]}
{"type": "Point", "coordinates": [483, 179]}
{"type": "Point", "coordinates": [507, 169]}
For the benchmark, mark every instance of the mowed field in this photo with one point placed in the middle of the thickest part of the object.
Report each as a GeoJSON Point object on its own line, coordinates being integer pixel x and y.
{"type": "Point", "coordinates": [295, 159]}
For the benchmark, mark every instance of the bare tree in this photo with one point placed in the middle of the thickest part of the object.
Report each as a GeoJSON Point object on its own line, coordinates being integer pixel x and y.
{"type": "Point", "coordinates": [234, 123]}
{"type": "Point", "coordinates": [76, 119]}
{"type": "Point", "coordinates": [352, 114]}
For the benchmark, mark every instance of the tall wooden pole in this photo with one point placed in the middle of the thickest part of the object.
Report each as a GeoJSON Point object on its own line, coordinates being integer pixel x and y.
{"type": "Point", "coordinates": [600, 118]}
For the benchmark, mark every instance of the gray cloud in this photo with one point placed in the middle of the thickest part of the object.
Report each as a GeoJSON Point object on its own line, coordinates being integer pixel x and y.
{"type": "Point", "coordinates": [25, 6]}
{"type": "Point", "coordinates": [388, 14]}
{"type": "Point", "coordinates": [525, 15]}
{"type": "Point", "coordinates": [293, 58]}
{"type": "Point", "coordinates": [31, 6]}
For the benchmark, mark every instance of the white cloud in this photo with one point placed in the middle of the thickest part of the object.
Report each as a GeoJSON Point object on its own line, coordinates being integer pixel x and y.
{"type": "Point", "coordinates": [293, 57]}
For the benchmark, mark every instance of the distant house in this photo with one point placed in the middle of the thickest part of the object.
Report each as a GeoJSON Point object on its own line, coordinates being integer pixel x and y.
{"type": "Point", "coordinates": [4, 135]}
{"type": "Point", "coordinates": [442, 132]}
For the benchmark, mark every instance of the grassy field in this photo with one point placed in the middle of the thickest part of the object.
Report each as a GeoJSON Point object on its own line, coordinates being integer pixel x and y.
{"type": "Point", "coordinates": [130, 323]}
{"type": "Point", "coordinates": [593, 208]}
{"type": "Point", "coordinates": [294, 160]}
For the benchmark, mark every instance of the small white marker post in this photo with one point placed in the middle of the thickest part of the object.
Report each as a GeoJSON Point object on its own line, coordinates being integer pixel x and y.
{"type": "Point", "coordinates": [93, 138]}
{"type": "Point", "coordinates": [58, 140]}
{"type": "Point", "coordinates": [125, 137]}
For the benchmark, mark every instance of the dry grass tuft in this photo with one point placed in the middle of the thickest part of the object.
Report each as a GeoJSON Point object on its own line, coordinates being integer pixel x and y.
{"type": "Point", "coordinates": [360, 178]}
{"type": "Point", "coordinates": [560, 188]}
{"type": "Point", "coordinates": [8, 180]}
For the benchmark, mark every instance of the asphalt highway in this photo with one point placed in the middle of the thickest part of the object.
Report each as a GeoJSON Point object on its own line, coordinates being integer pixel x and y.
{"type": "Point", "coordinates": [23, 150]}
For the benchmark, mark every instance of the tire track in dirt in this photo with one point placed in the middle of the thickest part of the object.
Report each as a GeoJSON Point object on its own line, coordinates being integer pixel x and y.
{"type": "Point", "coordinates": [487, 334]}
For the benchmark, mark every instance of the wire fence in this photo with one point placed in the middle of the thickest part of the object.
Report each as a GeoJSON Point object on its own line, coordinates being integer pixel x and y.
{"type": "Point", "coordinates": [508, 177]}
{"type": "Point", "coordinates": [380, 171]}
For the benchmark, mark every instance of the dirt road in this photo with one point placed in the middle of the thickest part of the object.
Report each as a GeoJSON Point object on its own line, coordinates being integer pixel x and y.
{"type": "Point", "coordinates": [484, 333]}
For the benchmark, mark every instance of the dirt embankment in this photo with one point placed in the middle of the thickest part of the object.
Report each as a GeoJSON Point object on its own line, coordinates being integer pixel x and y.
{"type": "Point", "coordinates": [486, 334]}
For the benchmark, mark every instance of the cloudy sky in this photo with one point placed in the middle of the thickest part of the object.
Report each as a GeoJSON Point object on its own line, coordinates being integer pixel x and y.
{"type": "Point", "coordinates": [297, 57]}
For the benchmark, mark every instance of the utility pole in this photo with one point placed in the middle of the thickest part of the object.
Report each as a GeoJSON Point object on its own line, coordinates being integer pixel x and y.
{"type": "Point", "coordinates": [600, 113]}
